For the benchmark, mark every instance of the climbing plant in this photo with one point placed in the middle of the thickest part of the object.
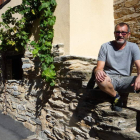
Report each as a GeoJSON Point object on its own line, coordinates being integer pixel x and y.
{"type": "Point", "coordinates": [15, 33]}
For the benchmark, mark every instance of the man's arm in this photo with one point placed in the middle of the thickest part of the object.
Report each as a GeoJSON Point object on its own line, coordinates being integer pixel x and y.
{"type": "Point", "coordinates": [137, 81]}
{"type": "Point", "coordinates": [99, 73]}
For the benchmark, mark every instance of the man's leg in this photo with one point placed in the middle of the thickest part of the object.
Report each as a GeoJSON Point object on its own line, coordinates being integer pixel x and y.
{"type": "Point", "coordinates": [125, 84]}
{"type": "Point", "coordinates": [108, 88]}
{"type": "Point", "coordinates": [91, 83]}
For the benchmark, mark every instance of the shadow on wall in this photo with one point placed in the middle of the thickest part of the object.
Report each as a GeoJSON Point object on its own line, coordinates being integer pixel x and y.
{"type": "Point", "coordinates": [94, 112]}
{"type": "Point", "coordinates": [93, 109]}
{"type": "Point", "coordinates": [87, 109]}
{"type": "Point", "coordinates": [35, 30]}
{"type": "Point", "coordinates": [38, 87]}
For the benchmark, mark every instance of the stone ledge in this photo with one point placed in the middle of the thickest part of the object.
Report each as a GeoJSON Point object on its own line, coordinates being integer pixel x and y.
{"type": "Point", "coordinates": [70, 57]}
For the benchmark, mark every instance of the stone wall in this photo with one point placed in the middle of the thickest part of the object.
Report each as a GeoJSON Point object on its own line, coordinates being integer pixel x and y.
{"type": "Point", "coordinates": [129, 11]}
{"type": "Point", "coordinates": [68, 111]}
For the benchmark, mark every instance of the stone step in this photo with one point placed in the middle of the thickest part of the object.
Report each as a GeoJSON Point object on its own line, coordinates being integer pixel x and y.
{"type": "Point", "coordinates": [131, 100]}
{"type": "Point", "coordinates": [125, 113]}
{"type": "Point", "coordinates": [111, 125]}
{"type": "Point", "coordinates": [118, 135]}
{"type": "Point", "coordinates": [115, 124]}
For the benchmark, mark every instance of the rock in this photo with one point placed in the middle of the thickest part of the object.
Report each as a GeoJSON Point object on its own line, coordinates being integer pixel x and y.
{"type": "Point", "coordinates": [28, 54]}
{"type": "Point", "coordinates": [73, 74]}
{"type": "Point", "coordinates": [24, 66]}
{"type": "Point", "coordinates": [58, 104]}
{"type": "Point", "coordinates": [58, 50]}
{"type": "Point", "coordinates": [69, 94]}
{"type": "Point", "coordinates": [124, 11]}
{"type": "Point", "coordinates": [29, 114]}
{"type": "Point", "coordinates": [43, 135]}
{"type": "Point", "coordinates": [58, 133]}
{"type": "Point", "coordinates": [21, 107]}
{"type": "Point", "coordinates": [69, 136]}
{"type": "Point", "coordinates": [84, 127]}
{"type": "Point", "coordinates": [73, 84]}
{"type": "Point", "coordinates": [16, 93]}
{"type": "Point", "coordinates": [9, 90]}
{"type": "Point", "coordinates": [25, 60]}
{"type": "Point", "coordinates": [88, 119]}
{"type": "Point", "coordinates": [110, 135]}
{"type": "Point", "coordinates": [78, 137]}
{"type": "Point", "coordinates": [30, 107]}
{"type": "Point", "coordinates": [15, 88]}
{"type": "Point", "coordinates": [57, 94]}
{"type": "Point", "coordinates": [57, 114]}
{"type": "Point", "coordinates": [130, 3]}
{"type": "Point", "coordinates": [34, 92]}
{"type": "Point", "coordinates": [137, 9]}
{"type": "Point", "coordinates": [73, 106]}
{"type": "Point", "coordinates": [79, 132]}
{"type": "Point", "coordinates": [36, 120]}
{"type": "Point", "coordinates": [21, 118]}
{"type": "Point", "coordinates": [14, 81]}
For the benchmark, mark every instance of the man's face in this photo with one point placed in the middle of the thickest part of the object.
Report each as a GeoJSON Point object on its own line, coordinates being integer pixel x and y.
{"type": "Point", "coordinates": [121, 34]}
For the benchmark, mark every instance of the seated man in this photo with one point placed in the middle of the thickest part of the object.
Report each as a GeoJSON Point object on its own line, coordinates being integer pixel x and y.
{"type": "Point", "coordinates": [114, 66]}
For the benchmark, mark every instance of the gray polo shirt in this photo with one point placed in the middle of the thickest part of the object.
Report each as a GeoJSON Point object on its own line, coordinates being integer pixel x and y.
{"type": "Point", "coordinates": [119, 61]}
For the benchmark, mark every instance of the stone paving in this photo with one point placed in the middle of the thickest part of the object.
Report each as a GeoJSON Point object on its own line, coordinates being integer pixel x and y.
{"type": "Point", "coordinates": [12, 130]}
{"type": "Point", "coordinates": [33, 137]}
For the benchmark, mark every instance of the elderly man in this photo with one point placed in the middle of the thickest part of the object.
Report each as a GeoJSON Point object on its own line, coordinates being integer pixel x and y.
{"type": "Point", "coordinates": [115, 61]}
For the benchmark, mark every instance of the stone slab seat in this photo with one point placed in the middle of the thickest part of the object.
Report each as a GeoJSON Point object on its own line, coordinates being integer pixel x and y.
{"type": "Point", "coordinates": [112, 135]}
{"type": "Point", "coordinates": [112, 125]}
{"type": "Point", "coordinates": [130, 100]}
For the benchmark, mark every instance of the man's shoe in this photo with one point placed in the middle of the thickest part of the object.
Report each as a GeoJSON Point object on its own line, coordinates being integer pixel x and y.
{"type": "Point", "coordinates": [117, 105]}
{"type": "Point", "coordinates": [137, 91]}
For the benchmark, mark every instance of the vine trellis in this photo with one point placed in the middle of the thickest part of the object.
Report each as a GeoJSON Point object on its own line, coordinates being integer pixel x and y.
{"type": "Point", "coordinates": [15, 33]}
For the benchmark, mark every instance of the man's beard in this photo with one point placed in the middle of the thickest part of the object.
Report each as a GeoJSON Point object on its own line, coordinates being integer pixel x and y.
{"type": "Point", "coordinates": [120, 42]}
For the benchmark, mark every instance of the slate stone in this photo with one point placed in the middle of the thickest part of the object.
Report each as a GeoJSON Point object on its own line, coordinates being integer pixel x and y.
{"type": "Point", "coordinates": [24, 66]}
{"type": "Point", "coordinates": [16, 93]}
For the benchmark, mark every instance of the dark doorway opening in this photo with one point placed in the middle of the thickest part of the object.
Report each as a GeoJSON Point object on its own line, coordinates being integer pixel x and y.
{"type": "Point", "coordinates": [14, 67]}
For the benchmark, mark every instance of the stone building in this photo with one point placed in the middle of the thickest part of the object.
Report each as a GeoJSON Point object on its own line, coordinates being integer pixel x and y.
{"type": "Point", "coordinates": [69, 111]}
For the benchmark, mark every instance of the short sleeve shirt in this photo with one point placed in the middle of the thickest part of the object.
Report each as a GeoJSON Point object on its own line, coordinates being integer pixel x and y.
{"type": "Point", "coordinates": [119, 62]}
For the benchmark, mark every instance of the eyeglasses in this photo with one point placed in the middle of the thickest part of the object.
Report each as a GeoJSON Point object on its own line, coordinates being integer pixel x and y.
{"type": "Point", "coordinates": [123, 33]}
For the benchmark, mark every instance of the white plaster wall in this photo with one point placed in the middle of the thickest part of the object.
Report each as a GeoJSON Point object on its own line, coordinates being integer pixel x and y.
{"type": "Point", "coordinates": [91, 24]}
{"type": "Point", "coordinates": [62, 25]}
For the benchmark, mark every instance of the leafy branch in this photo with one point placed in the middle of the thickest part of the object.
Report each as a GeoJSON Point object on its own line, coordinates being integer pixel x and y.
{"type": "Point", "coordinates": [15, 33]}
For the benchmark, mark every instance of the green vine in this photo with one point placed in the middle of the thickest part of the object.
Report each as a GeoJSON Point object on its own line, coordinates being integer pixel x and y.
{"type": "Point", "coordinates": [15, 33]}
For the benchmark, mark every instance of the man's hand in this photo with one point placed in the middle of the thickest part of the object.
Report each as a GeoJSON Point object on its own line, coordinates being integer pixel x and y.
{"type": "Point", "coordinates": [100, 75]}
{"type": "Point", "coordinates": [136, 84]}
